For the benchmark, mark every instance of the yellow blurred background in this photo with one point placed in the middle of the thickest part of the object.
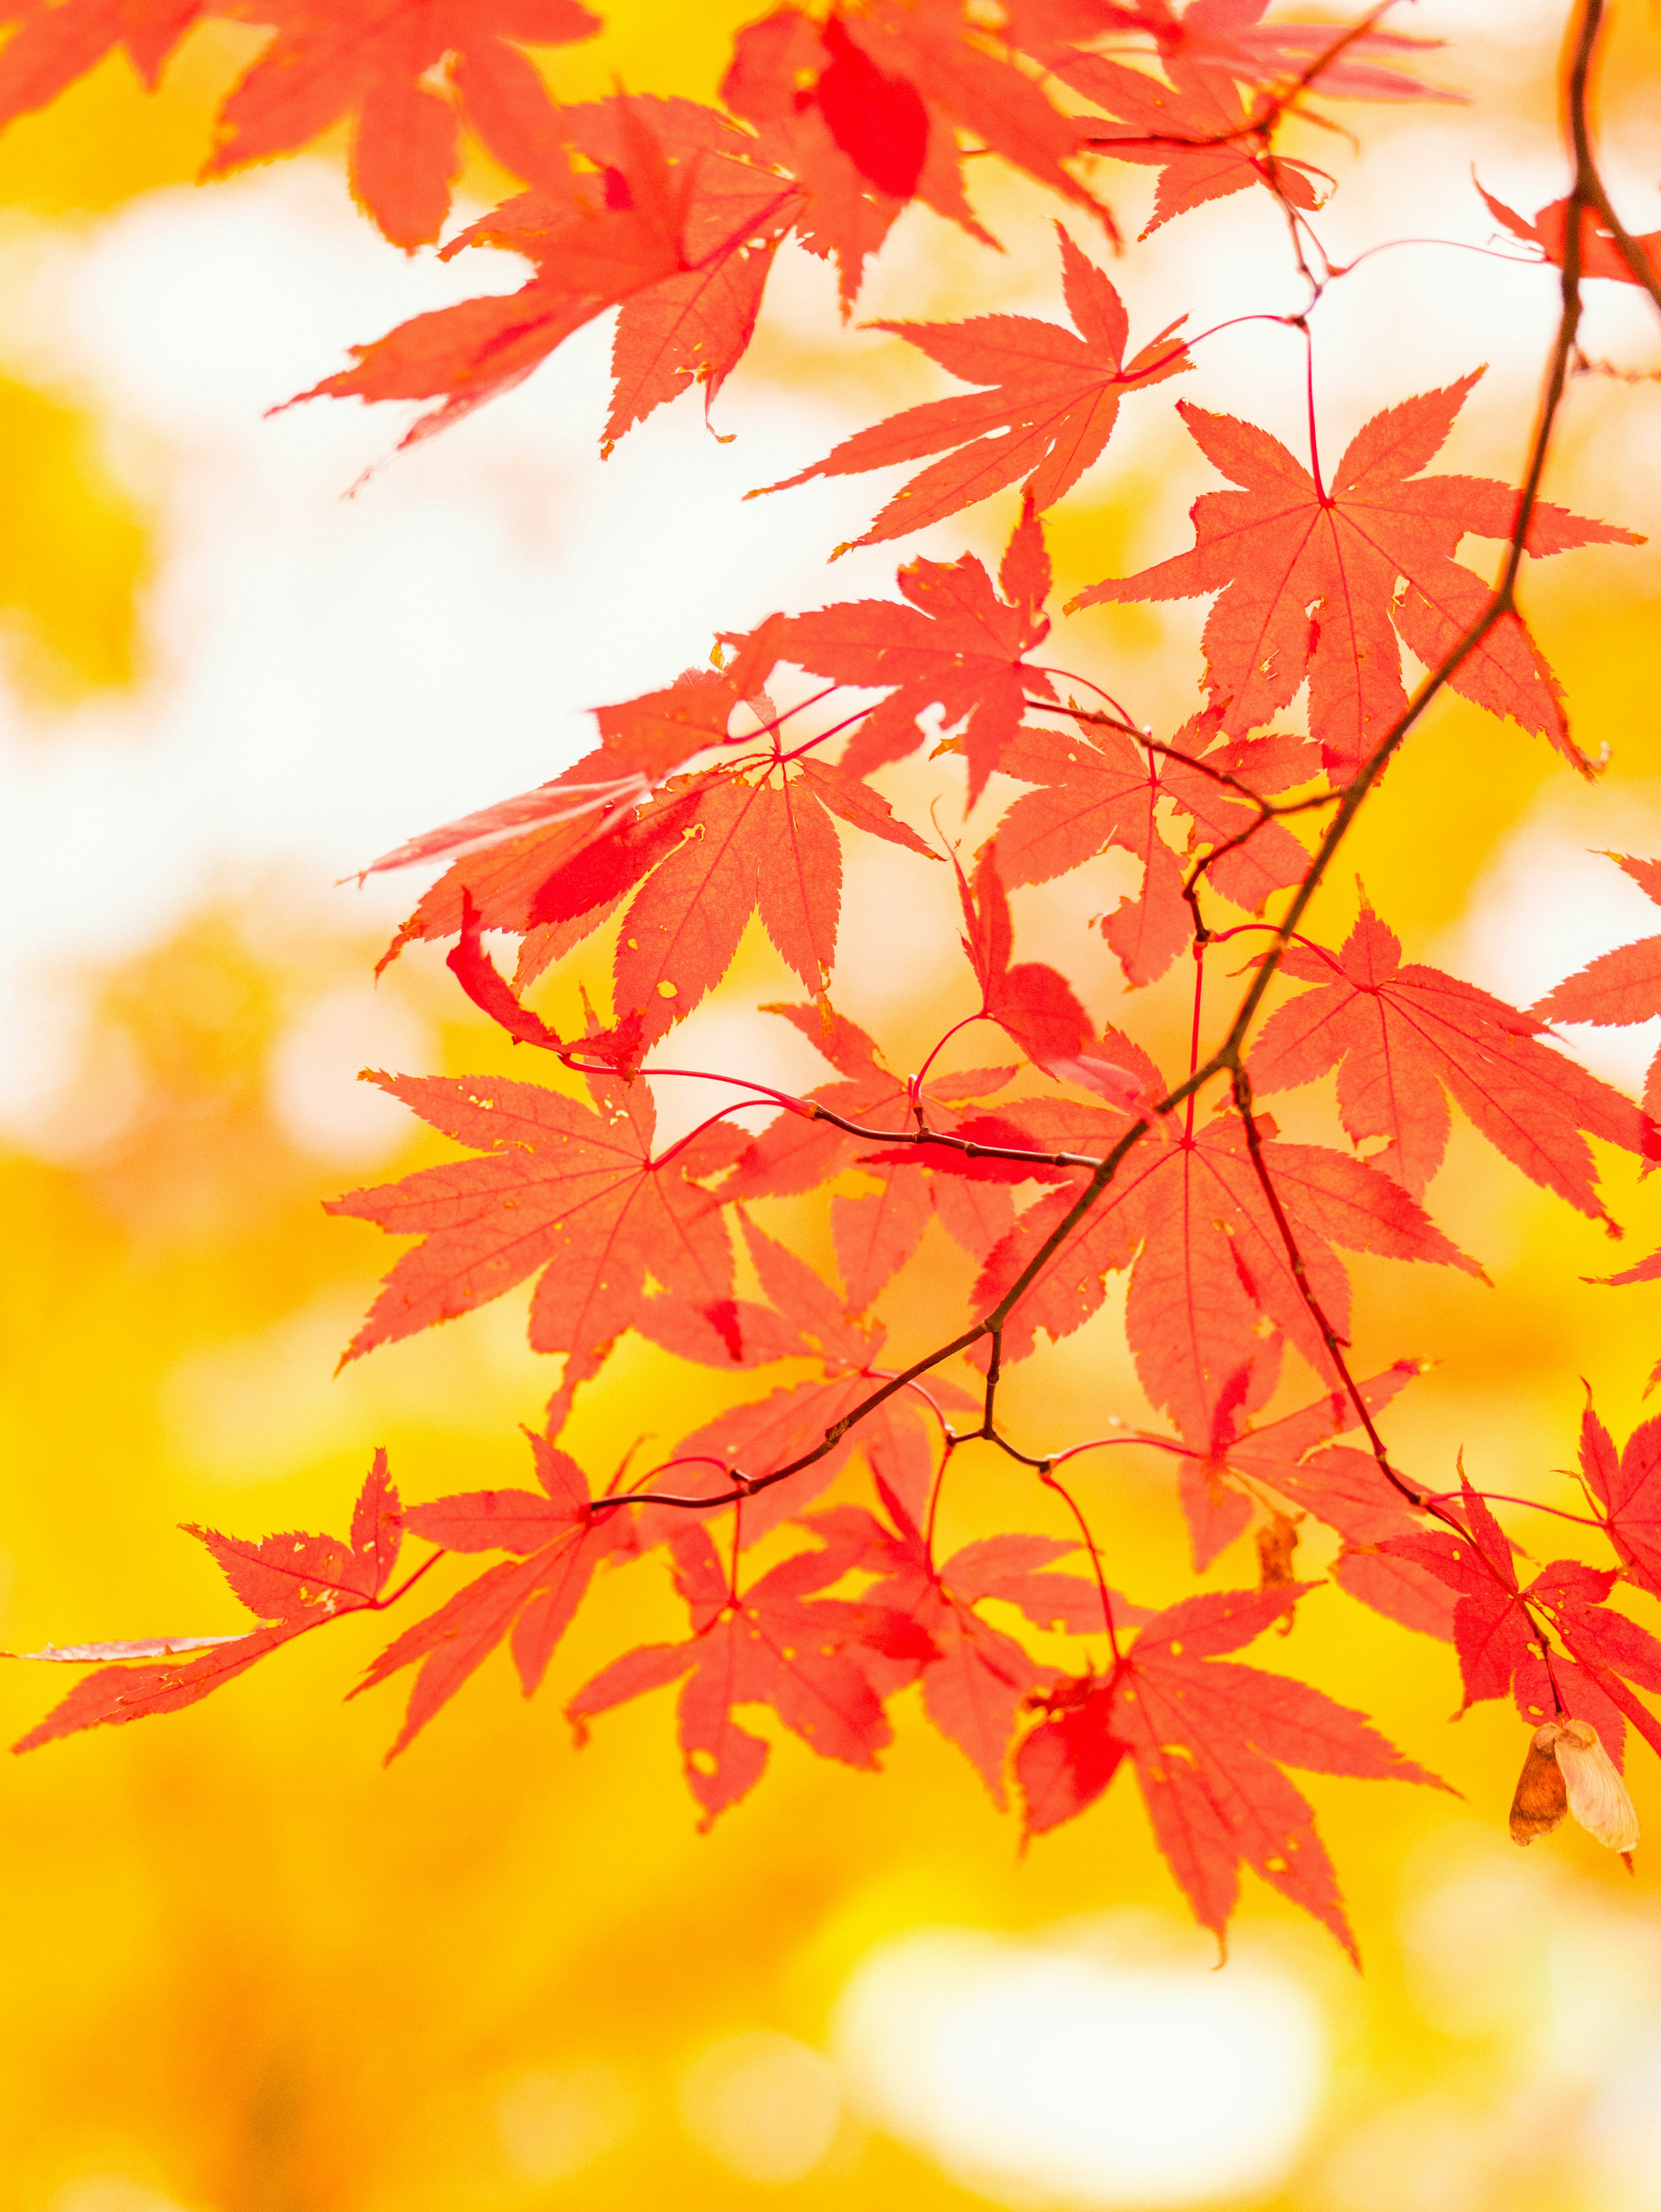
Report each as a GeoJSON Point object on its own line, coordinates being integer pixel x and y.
{"type": "Point", "coordinates": [245, 1969]}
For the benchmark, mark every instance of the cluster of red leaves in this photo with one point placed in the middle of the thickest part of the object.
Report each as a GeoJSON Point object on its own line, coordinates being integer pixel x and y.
{"type": "Point", "coordinates": [832, 123]}
{"type": "Point", "coordinates": [408, 75]}
{"type": "Point", "coordinates": [1497, 1620]}
{"type": "Point", "coordinates": [701, 808]}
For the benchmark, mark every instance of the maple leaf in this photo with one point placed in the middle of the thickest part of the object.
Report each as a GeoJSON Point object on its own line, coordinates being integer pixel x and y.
{"type": "Point", "coordinates": [1628, 1487]}
{"type": "Point", "coordinates": [1098, 789]}
{"type": "Point", "coordinates": [1199, 104]}
{"type": "Point", "coordinates": [527, 863]}
{"type": "Point", "coordinates": [775, 1643]}
{"type": "Point", "coordinates": [853, 138]}
{"type": "Point", "coordinates": [1600, 255]}
{"type": "Point", "coordinates": [649, 214]}
{"type": "Point", "coordinates": [1229, 35]}
{"type": "Point", "coordinates": [54, 44]}
{"type": "Point", "coordinates": [1209, 1741]}
{"type": "Point", "coordinates": [1232, 35]}
{"type": "Point", "coordinates": [976, 1679]}
{"type": "Point", "coordinates": [1497, 1636]}
{"type": "Point", "coordinates": [291, 1583]}
{"type": "Point", "coordinates": [556, 1188]}
{"type": "Point", "coordinates": [1054, 401]}
{"type": "Point", "coordinates": [864, 109]}
{"type": "Point", "coordinates": [876, 1232]}
{"type": "Point", "coordinates": [1619, 987]}
{"type": "Point", "coordinates": [1032, 1002]}
{"type": "Point", "coordinates": [956, 645]}
{"type": "Point", "coordinates": [1212, 1289]}
{"type": "Point", "coordinates": [376, 62]}
{"type": "Point", "coordinates": [1293, 1465]}
{"type": "Point", "coordinates": [558, 1542]}
{"type": "Point", "coordinates": [1284, 545]}
{"type": "Point", "coordinates": [735, 848]}
{"type": "Point", "coordinates": [757, 1437]}
{"type": "Point", "coordinates": [1403, 1039]}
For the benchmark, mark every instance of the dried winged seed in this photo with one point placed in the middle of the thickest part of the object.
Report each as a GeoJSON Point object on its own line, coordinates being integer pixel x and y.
{"type": "Point", "coordinates": [1598, 1797]}
{"type": "Point", "coordinates": [1542, 1796]}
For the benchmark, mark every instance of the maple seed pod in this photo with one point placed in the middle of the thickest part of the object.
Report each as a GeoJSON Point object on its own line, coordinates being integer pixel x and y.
{"type": "Point", "coordinates": [1596, 1795]}
{"type": "Point", "coordinates": [1542, 1796]}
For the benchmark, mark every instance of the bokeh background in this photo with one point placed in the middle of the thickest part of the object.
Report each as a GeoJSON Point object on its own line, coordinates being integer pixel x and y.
{"type": "Point", "coordinates": [245, 1969]}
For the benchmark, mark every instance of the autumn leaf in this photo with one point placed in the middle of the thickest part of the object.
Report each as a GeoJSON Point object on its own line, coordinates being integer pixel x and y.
{"type": "Point", "coordinates": [1199, 104]}
{"type": "Point", "coordinates": [557, 1540]}
{"type": "Point", "coordinates": [376, 63]}
{"type": "Point", "coordinates": [775, 1643]}
{"type": "Point", "coordinates": [877, 1230]}
{"type": "Point", "coordinates": [291, 1583]}
{"type": "Point", "coordinates": [1294, 1466]}
{"type": "Point", "coordinates": [596, 239]}
{"type": "Point", "coordinates": [1627, 1485]}
{"type": "Point", "coordinates": [555, 1187]}
{"type": "Point", "coordinates": [1098, 789]}
{"type": "Point", "coordinates": [1496, 1631]}
{"type": "Point", "coordinates": [1054, 399]}
{"type": "Point", "coordinates": [1032, 1002]}
{"type": "Point", "coordinates": [1208, 1741]}
{"type": "Point", "coordinates": [1337, 59]}
{"type": "Point", "coordinates": [757, 1437]}
{"type": "Point", "coordinates": [1284, 545]}
{"type": "Point", "coordinates": [1620, 988]}
{"type": "Point", "coordinates": [1404, 1039]}
{"type": "Point", "coordinates": [53, 44]}
{"type": "Point", "coordinates": [1212, 1289]}
{"type": "Point", "coordinates": [729, 848]}
{"type": "Point", "coordinates": [1600, 255]}
{"type": "Point", "coordinates": [976, 1679]}
{"type": "Point", "coordinates": [864, 110]}
{"type": "Point", "coordinates": [956, 645]}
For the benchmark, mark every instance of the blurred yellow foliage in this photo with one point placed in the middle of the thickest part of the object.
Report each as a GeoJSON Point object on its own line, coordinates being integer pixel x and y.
{"type": "Point", "coordinates": [72, 561]}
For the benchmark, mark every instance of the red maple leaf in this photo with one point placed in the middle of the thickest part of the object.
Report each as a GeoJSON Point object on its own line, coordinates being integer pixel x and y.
{"type": "Point", "coordinates": [1497, 1636]}
{"type": "Point", "coordinates": [1209, 1741]}
{"type": "Point", "coordinates": [1600, 256]}
{"type": "Point", "coordinates": [864, 109]}
{"type": "Point", "coordinates": [1628, 1487]}
{"type": "Point", "coordinates": [1200, 105]}
{"type": "Point", "coordinates": [1031, 1002]}
{"type": "Point", "coordinates": [681, 222]}
{"type": "Point", "coordinates": [958, 645]}
{"type": "Point", "coordinates": [651, 212]}
{"type": "Point", "coordinates": [553, 863]}
{"type": "Point", "coordinates": [720, 851]}
{"type": "Point", "coordinates": [375, 61]}
{"type": "Point", "coordinates": [775, 1643]}
{"type": "Point", "coordinates": [291, 1583]}
{"type": "Point", "coordinates": [877, 1231]}
{"type": "Point", "coordinates": [557, 1188]}
{"type": "Point", "coordinates": [56, 41]}
{"type": "Point", "coordinates": [1229, 35]}
{"type": "Point", "coordinates": [1054, 401]}
{"type": "Point", "coordinates": [558, 1539]}
{"type": "Point", "coordinates": [1284, 545]}
{"type": "Point", "coordinates": [976, 1679]}
{"type": "Point", "coordinates": [1098, 789]}
{"type": "Point", "coordinates": [1403, 1039]}
{"type": "Point", "coordinates": [1619, 987]}
{"type": "Point", "coordinates": [1212, 1289]}
{"type": "Point", "coordinates": [754, 1439]}
{"type": "Point", "coordinates": [1281, 1464]}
